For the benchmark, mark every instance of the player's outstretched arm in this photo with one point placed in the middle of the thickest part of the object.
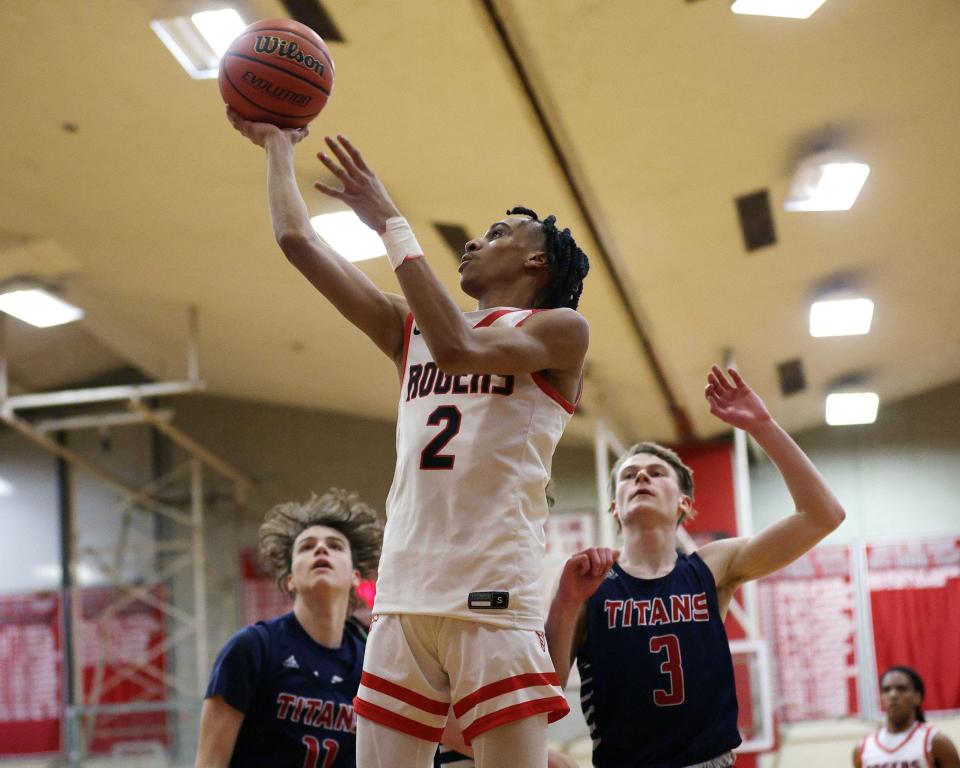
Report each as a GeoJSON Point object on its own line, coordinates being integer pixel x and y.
{"type": "Point", "coordinates": [555, 340]}
{"type": "Point", "coordinates": [818, 512]}
{"type": "Point", "coordinates": [219, 725]}
{"type": "Point", "coordinates": [379, 315]}
{"type": "Point", "coordinates": [581, 575]}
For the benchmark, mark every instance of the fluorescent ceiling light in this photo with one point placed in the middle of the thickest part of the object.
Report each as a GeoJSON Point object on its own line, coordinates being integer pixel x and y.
{"type": "Point", "coordinates": [38, 307]}
{"type": "Point", "coordinates": [788, 9]}
{"type": "Point", "coordinates": [349, 236]}
{"type": "Point", "coordinates": [842, 317]}
{"type": "Point", "coordinates": [218, 28]}
{"type": "Point", "coordinates": [198, 41]}
{"type": "Point", "coordinates": [852, 408]}
{"type": "Point", "coordinates": [6, 487]}
{"type": "Point", "coordinates": [826, 181]}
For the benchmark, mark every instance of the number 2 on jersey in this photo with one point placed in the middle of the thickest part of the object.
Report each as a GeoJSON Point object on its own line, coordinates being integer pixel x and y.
{"type": "Point", "coordinates": [673, 666]}
{"type": "Point", "coordinates": [430, 456]}
{"type": "Point", "coordinates": [330, 749]}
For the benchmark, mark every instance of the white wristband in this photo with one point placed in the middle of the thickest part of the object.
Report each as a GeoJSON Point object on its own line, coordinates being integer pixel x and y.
{"type": "Point", "coordinates": [400, 242]}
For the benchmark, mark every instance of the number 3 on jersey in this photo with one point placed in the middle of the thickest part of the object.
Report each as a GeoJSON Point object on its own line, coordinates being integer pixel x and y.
{"type": "Point", "coordinates": [430, 456]}
{"type": "Point", "coordinates": [672, 666]}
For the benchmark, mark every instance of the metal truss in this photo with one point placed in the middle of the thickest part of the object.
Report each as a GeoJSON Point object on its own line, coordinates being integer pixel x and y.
{"type": "Point", "coordinates": [169, 677]}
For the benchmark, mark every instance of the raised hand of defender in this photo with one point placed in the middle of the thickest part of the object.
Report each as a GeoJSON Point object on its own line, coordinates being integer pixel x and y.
{"type": "Point", "coordinates": [258, 133]}
{"type": "Point", "coordinates": [362, 190]}
{"type": "Point", "coordinates": [584, 572]}
{"type": "Point", "coordinates": [731, 400]}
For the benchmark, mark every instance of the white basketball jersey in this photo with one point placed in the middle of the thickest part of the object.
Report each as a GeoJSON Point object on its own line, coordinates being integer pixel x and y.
{"type": "Point", "coordinates": [467, 506]}
{"type": "Point", "coordinates": [911, 749]}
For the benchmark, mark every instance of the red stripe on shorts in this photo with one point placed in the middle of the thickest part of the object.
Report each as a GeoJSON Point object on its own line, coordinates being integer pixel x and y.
{"type": "Point", "coordinates": [555, 706]}
{"type": "Point", "coordinates": [395, 721]}
{"type": "Point", "coordinates": [515, 683]}
{"type": "Point", "coordinates": [405, 695]}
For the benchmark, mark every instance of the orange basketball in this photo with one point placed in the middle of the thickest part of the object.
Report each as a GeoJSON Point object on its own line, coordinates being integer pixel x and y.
{"type": "Point", "coordinates": [277, 71]}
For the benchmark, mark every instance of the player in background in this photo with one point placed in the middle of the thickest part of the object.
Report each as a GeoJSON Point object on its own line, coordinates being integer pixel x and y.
{"type": "Point", "coordinates": [905, 738]}
{"type": "Point", "coordinates": [484, 398]}
{"type": "Point", "coordinates": [646, 624]}
{"type": "Point", "coordinates": [281, 691]}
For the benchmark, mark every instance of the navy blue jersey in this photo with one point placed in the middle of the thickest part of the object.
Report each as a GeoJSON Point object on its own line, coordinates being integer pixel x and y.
{"type": "Point", "coordinates": [296, 695]}
{"type": "Point", "coordinates": [656, 672]}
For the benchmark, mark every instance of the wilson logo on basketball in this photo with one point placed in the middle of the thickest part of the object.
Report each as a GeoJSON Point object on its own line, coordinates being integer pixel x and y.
{"type": "Point", "coordinates": [285, 49]}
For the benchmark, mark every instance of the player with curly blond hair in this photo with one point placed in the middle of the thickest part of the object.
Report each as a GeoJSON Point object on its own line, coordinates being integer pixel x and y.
{"type": "Point", "coordinates": [281, 691]}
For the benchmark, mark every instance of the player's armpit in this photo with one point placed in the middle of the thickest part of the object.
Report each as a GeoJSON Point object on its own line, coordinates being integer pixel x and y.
{"type": "Point", "coordinates": [552, 340]}
{"type": "Point", "coordinates": [219, 725]}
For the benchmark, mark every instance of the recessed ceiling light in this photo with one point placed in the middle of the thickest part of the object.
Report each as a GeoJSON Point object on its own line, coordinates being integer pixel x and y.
{"type": "Point", "coordinates": [844, 408]}
{"type": "Point", "coordinates": [37, 307]}
{"type": "Point", "coordinates": [198, 41]}
{"type": "Point", "coordinates": [826, 181]}
{"type": "Point", "coordinates": [219, 28]}
{"type": "Point", "coordinates": [349, 236]}
{"type": "Point", "coordinates": [788, 9]}
{"type": "Point", "coordinates": [841, 317]}
{"type": "Point", "coordinates": [6, 487]}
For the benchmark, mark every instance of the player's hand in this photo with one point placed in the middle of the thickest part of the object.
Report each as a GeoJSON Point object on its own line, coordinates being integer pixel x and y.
{"type": "Point", "coordinates": [733, 401]}
{"type": "Point", "coordinates": [260, 133]}
{"type": "Point", "coordinates": [362, 190]}
{"type": "Point", "coordinates": [584, 572]}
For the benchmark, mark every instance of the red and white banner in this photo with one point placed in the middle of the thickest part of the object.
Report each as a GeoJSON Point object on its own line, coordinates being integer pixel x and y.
{"type": "Point", "coordinates": [915, 604]}
{"type": "Point", "coordinates": [807, 614]}
{"type": "Point", "coordinates": [31, 689]}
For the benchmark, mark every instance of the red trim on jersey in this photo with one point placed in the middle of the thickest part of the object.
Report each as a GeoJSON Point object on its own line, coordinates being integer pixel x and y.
{"type": "Point", "coordinates": [500, 687]}
{"type": "Point", "coordinates": [556, 707]}
{"type": "Point", "coordinates": [541, 381]}
{"type": "Point", "coordinates": [926, 744]}
{"type": "Point", "coordinates": [405, 695]}
{"type": "Point", "coordinates": [395, 721]}
{"type": "Point", "coordinates": [494, 316]}
{"type": "Point", "coordinates": [407, 328]}
{"type": "Point", "coordinates": [901, 744]}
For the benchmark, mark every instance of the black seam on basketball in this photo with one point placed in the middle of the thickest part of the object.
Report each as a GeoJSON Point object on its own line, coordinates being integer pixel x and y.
{"type": "Point", "coordinates": [320, 50]}
{"type": "Point", "coordinates": [278, 68]}
{"type": "Point", "coordinates": [243, 96]}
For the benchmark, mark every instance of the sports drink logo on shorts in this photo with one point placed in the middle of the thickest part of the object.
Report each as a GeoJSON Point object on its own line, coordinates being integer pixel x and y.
{"type": "Point", "coordinates": [287, 49]}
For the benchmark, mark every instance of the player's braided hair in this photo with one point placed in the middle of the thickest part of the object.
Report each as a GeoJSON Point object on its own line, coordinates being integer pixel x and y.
{"type": "Point", "coordinates": [916, 681]}
{"type": "Point", "coordinates": [567, 264]}
{"type": "Point", "coordinates": [341, 510]}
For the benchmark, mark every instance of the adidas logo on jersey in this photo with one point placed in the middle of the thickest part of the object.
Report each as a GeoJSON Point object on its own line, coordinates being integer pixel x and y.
{"type": "Point", "coordinates": [336, 679]}
{"type": "Point", "coordinates": [291, 662]}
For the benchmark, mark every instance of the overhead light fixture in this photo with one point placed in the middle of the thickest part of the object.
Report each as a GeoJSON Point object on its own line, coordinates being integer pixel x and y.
{"type": "Point", "coordinates": [349, 236]}
{"type": "Point", "coordinates": [198, 41]}
{"type": "Point", "coordinates": [845, 408]}
{"type": "Point", "coordinates": [36, 305]}
{"type": "Point", "coordinates": [787, 9]}
{"type": "Point", "coordinates": [840, 317]}
{"type": "Point", "coordinates": [6, 487]}
{"type": "Point", "coordinates": [826, 181]}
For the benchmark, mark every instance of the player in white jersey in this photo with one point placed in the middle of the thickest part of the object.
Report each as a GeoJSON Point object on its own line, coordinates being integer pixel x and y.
{"type": "Point", "coordinates": [905, 740]}
{"type": "Point", "coordinates": [484, 398]}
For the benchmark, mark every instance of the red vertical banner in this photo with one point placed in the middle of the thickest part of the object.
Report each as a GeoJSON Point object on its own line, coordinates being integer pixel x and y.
{"type": "Point", "coordinates": [915, 605]}
{"type": "Point", "coordinates": [31, 687]}
{"type": "Point", "coordinates": [807, 611]}
{"type": "Point", "coordinates": [123, 660]}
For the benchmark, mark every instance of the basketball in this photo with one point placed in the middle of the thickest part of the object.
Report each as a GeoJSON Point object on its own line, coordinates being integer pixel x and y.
{"type": "Point", "coordinates": [277, 71]}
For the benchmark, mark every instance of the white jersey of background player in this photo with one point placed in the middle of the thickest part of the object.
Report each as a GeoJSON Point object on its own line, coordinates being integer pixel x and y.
{"type": "Point", "coordinates": [429, 651]}
{"type": "Point", "coordinates": [905, 740]}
